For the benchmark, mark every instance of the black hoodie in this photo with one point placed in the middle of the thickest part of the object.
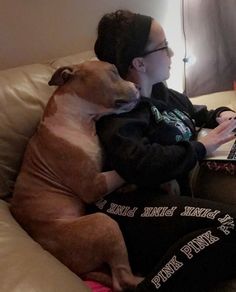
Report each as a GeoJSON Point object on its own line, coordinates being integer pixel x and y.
{"type": "Point", "coordinates": [154, 143]}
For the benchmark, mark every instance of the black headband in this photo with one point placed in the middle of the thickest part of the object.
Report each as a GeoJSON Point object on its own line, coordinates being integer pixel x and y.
{"type": "Point", "coordinates": [134, 45]}
{"type": "Point", "coordinates": [142, 25]}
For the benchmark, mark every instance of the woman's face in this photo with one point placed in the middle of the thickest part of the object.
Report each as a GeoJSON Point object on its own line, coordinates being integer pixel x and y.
{"type": "Point", "coordinates": [158, 61]}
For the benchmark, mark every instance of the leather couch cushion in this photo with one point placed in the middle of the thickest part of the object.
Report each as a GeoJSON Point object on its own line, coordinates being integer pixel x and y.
{"type": "Point", "coordinates": [25, 266]}
{"type": "Point", "coordinates": [24, 93]}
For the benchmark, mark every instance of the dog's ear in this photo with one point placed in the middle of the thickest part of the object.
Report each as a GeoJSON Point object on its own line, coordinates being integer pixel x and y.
{"type": "Point", "coordinates": [61, 76]}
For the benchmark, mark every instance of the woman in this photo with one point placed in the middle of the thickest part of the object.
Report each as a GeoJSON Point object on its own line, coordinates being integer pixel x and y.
{"type": "Point", "coordinates": [178, 243]}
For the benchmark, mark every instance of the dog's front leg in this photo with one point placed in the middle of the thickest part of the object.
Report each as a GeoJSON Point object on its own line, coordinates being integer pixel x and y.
{"type": "Point", "coordinates": [103, 184]}
{"type": "Point", "coordinates": [113, 181]}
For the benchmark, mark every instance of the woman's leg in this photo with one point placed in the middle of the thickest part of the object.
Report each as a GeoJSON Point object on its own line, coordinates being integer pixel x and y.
{"type": "Point", "coordinates": [195, 263]}
{"type": "Point", "coordinates": [191, 240]}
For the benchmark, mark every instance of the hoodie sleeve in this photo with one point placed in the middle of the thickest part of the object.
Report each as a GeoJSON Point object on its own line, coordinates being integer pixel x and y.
{"type": "Point", "coordinates": [207, 118]}
{"type": "Point", "coordinates": [200, 113]}
{"type": "Point", "coordinates": [140, 161]}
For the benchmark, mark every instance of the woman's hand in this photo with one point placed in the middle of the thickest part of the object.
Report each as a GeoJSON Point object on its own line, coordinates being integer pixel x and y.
{"type": "Point", "coordinates": [225, 116]}
{"type": "Point", "coordinates": [218, 136]}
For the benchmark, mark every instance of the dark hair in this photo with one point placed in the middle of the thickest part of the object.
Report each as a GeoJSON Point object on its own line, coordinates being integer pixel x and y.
{"type": "Point", "coordinates": [122, 36]}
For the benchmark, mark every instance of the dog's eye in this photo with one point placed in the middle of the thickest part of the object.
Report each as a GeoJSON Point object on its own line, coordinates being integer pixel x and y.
{"type": "Point", "coordinates": [115, 73]}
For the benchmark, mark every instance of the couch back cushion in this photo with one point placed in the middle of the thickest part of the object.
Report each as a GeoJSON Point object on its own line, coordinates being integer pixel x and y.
{"type": "Point", "coordinates": [24, 92]}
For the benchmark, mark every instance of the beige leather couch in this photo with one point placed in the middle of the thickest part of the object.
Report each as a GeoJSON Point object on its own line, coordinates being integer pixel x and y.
{"type": "Point", "coordinates": [24, 265]}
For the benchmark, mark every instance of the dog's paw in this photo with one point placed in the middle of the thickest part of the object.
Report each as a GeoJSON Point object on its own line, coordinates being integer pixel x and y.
{"type": "Point", "coordinates": [171, 187]}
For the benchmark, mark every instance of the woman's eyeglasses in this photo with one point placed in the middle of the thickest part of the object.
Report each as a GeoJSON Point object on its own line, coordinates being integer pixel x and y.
{"type": "Point", "coordinates": [156, 50]}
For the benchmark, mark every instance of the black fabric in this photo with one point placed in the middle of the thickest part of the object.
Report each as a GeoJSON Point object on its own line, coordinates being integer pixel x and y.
{"type": "Point", "coordinates": [202, 116]}
{"type": "Point", "coordinates": [157, 228]}
{"type": "Point", "coordinates": [131, 143]}
{"type": "Point", "coordinates": [180, 244]}
{"type": "Point", "coordinates": [147, 153]}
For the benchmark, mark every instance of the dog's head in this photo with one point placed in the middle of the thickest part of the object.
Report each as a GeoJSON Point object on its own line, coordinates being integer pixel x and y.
{"type": "Point", "coordinates": [98, 83]}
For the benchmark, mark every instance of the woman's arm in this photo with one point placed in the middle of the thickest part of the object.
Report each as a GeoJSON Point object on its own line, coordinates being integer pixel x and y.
{"type": "Point", "coordinates": [200, 113]}
{"type": "Point", "coordinates": [138, 160]}
{"type": "Point", "coordinates": [146, 163]}
{"type": "Point", "coordinates": [211, 118]}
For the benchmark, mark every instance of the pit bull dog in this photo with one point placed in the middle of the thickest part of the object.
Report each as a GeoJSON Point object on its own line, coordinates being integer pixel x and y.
{"type": "Point", "coordinates": [61, 172]}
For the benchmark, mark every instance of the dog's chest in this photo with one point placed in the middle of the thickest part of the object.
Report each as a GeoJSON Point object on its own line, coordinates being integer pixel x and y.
{"type": "Point", "coordinates": [79, 138]}
{"type": "Point", "coordinates": [87, 143]}
{"type": "Point", "coordinates": [90, 145]}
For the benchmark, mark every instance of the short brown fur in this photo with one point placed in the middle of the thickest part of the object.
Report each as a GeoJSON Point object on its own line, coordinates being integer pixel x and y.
{"type": "Point", "coordinates": [61, 172]}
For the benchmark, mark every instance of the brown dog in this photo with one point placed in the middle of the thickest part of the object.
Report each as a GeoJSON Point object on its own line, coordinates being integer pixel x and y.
{"type": "Point", "coordinates": [61, 172]}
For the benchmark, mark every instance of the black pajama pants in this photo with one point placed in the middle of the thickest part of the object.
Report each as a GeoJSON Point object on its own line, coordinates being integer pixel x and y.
{"type": "Point", "coordinates": [177, 243]}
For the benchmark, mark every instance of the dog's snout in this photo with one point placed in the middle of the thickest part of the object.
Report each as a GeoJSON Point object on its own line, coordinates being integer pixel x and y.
{"type": "Point", "coordinates": [137, 86]}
